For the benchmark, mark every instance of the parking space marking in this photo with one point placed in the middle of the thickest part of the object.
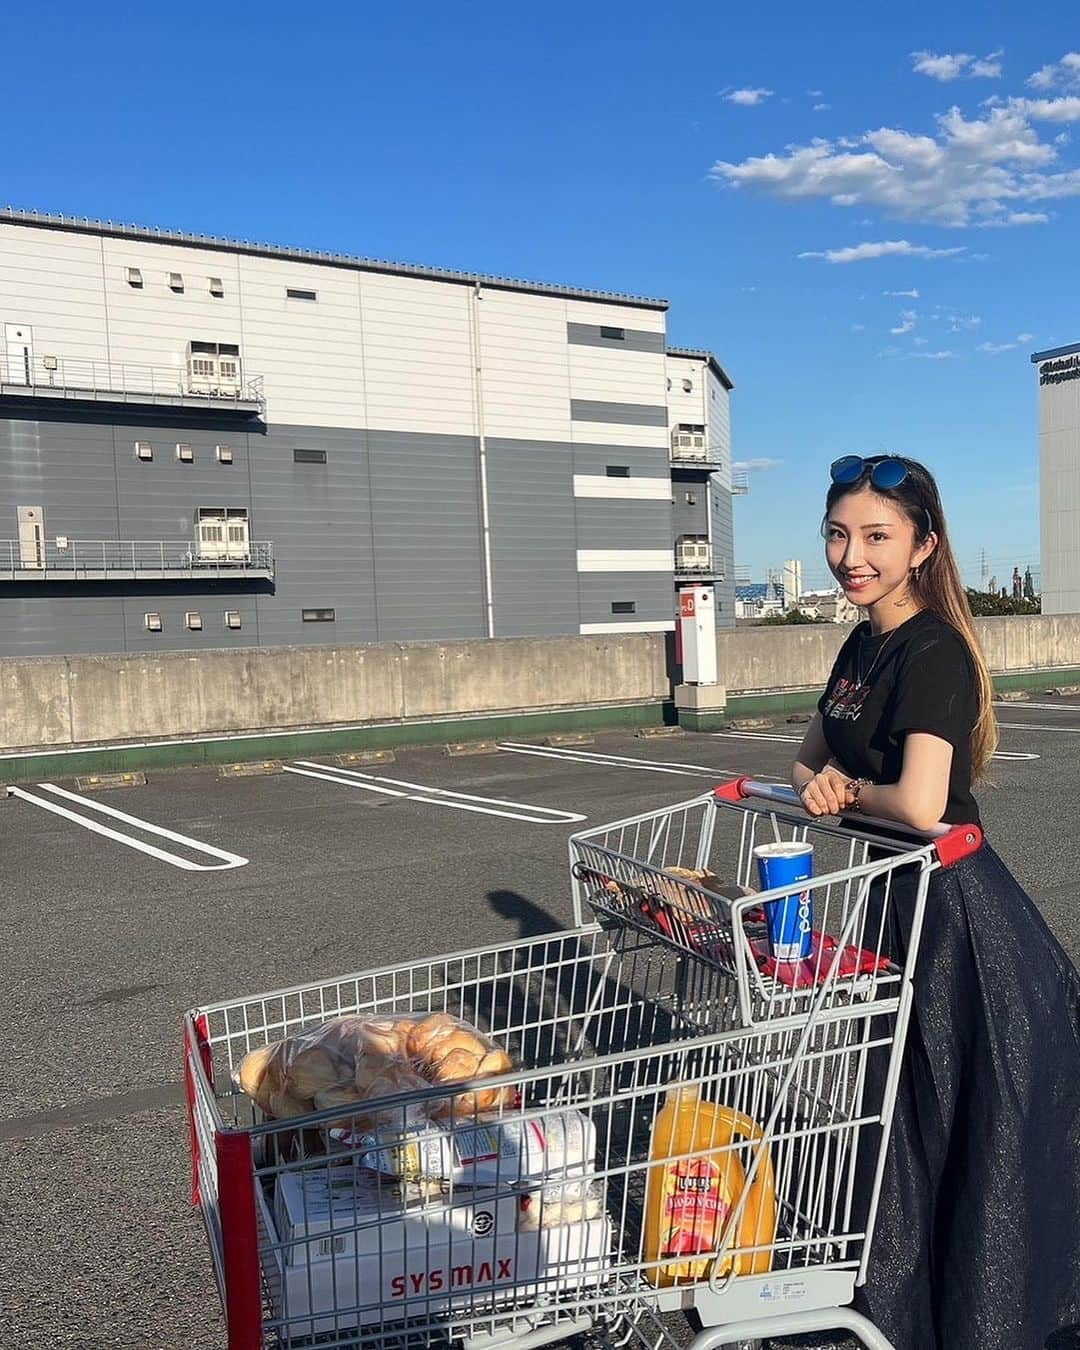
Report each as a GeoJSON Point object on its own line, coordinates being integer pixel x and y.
{"type": "Point", "coordinates": [998, 754]}
{"type": "Point", "coordinates": [227, 860]}
{"type": "Point", "coordinates": [433, 796]}
{"type": "Point", "coordinates": [618, 761]}
{"type": "Point", "coordinates": [1032, 726]}
{"type": "Point", "coordinates": [1048, 707]}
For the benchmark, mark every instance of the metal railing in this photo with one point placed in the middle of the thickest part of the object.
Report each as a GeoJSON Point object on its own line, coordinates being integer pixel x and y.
{"type": "Point", "coordinates": [740, 483]}
{"type": "Point", "coordinates": [696, 567]}
{"type": "Point", "coordinates": [129, 559]}
{"type": "Point", "coordinates": [59, 376]}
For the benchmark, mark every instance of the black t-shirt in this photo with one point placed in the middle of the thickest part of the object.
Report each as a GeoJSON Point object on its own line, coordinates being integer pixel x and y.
{"type": "Point", "coordinates": [917, 677]}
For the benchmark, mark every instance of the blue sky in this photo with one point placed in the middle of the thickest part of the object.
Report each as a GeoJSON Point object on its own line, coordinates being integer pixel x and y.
{"type": "Point", "coordinates": [699, 155]}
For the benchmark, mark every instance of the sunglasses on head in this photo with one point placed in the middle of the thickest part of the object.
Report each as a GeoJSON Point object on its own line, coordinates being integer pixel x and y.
{"type": "Point", "coordinates": [885, 472]}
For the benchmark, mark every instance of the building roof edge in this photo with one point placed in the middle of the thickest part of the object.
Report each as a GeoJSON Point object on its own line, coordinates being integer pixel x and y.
{"type": "Point", "coordinates": [1036, 357]}
{"type": "Point", "coordinates": [702, 354]}
{"type": "Point", "coordinates": [151, 234]}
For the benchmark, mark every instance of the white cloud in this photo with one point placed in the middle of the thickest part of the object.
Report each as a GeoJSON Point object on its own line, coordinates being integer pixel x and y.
{"type": "Point", "coordinates": [995, 348]}
{"type": "Point", "coordinates": [960, 323]}
{"type": "Point", "coordinates": [1025, 337]}
{"type": "Point", "coordinates": [748, 98]}
{"type": "Point", "coordinates": [1063, 109]}
{"type": "Point", "coordinates": [1014, 218]}
{"type": "Point", "coordinates": [933, 356]}
{"type": "Point", "coordinates": [920, 341]}
{"type": "Point", "coordinates": [908, 320]}
{"type": "Point", "coordinates": [977, 169]}
{"type": "Point", "coordinates": [1063, 74]}
{"type": "Point", "coordinates": [815, 93]}
{"type": "Point", "coordinates": [821, 107]}
{"type": "Point", "coordinates": [858, 328]}
{"type": "Point", "coordinates": [913, 294]}
{"type": "Point", "coordinates": [886, 248]}
{"type": "Point", "coordinates": [950, 66]}
{"type": "Point", "coordinates": [756, 465]}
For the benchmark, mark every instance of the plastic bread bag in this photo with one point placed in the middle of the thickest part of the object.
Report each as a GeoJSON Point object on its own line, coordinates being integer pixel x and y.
{"type": "Point", "coordinates": [356, 1058]}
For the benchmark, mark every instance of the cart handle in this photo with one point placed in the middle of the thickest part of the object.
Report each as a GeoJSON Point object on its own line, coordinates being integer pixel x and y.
{"type": "Point", "coordinates": [951, 842]}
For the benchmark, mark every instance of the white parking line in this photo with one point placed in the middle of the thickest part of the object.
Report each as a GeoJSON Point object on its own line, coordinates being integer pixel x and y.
{"type": "Point", "coordinates": [433, 796]}
{"type": "Point", "coordinates": [1048, 707]}
{"type": "Point", "coordinates": [619, 761]}
{"type": "Point", "coordinates": [999, 754]}
{"type": "Point", "coordinates": [1032, 726]}
{"type": "Point", "coordinates": [228, 860]}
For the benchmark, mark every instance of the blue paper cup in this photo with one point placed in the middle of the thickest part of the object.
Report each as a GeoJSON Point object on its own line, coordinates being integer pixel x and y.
{"type": "Point", "coordinates": [790, 920]}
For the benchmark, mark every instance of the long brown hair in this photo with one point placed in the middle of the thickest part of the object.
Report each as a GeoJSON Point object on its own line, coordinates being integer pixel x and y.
{"type": "Point", "coordinates": [938, 586]}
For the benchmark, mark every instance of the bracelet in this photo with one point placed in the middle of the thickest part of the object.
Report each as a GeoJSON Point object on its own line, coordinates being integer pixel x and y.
{"type": "Point", "coordinates": [855, 787]}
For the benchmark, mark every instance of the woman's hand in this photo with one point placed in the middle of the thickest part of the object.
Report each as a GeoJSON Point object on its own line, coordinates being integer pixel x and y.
{"type": "Point", "coordinates": [826, 794]}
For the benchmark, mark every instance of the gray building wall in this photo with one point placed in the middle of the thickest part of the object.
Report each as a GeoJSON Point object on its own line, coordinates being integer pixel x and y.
{"type": "Point", "coordinates": [723, 542]}
{"type": "Point", "coordinates": [387, 533]}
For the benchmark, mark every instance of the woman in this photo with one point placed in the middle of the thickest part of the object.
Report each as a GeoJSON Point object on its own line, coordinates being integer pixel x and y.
{"type": "Point", "coordinates": [977, 1244]}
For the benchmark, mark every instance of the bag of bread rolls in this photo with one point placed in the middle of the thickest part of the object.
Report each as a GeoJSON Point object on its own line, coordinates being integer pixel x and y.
{"type": "Point", "coordinates": [359, 1057]}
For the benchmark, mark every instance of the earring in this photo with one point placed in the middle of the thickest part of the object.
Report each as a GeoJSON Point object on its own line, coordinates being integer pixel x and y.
{"type": "Point", "coordinates": [916, 573]}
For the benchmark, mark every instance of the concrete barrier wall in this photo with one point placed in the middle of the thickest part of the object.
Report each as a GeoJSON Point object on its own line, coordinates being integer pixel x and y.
{"type": "Point", "coordinates": [780, 657]}
{"type": "Point", "coordinates": [54, 701]}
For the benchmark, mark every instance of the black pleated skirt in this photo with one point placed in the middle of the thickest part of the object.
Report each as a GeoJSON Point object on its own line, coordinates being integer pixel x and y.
{"type": "Point", "coordinates": [977, 1242]}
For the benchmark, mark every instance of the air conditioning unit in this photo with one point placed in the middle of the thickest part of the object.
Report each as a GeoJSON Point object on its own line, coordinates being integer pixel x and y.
{"type": "Point", "coordinates": [176, 281]}
{"type": "Point", "coordinates": [185, 453]}
{"type": "Point", "coordinates": [224, 454]}
{"type": "Point", "coordinates": [688, 444]}
{"type": "Point", "coordinates": [693, 555]}
{"type": "Point", "coordinates": [144, 450]}
{"type": "Point", "coordinates": [214, 368]}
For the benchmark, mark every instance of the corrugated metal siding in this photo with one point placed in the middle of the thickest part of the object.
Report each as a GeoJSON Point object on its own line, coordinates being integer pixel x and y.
{"type": "Point", "coordinates": [425, 500]}
{"type": "Point", "coordinates": [723, 542]}
{"type": "Point", "coordinates": [318, 517]}
{"type": "Point", "coordinates": [630, 414]}
{"type": "Point", "coordinates": [643, 461]}
{"type": "Point", "coordinates": [651, 591]}
{"type": "Point", "coordinates": [603, 523]}
{"type": "Point", "coordinates": [633, 339]}
{"type": "Point", "coordinates": [687, 519]}
{"type": "Point", "coordinates": [531, 505]}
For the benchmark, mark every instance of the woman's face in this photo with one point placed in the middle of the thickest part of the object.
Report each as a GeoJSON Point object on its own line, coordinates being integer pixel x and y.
{"type": "Point", "coordinates": [870, 546]}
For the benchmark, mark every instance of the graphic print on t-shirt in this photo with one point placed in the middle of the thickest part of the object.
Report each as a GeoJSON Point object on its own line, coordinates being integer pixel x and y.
{"type": "Point", "coordinates": [845, 701]}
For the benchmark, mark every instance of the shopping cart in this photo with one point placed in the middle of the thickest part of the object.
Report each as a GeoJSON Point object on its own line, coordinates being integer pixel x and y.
{"type": "Point", "coordinates": [445, 1234]}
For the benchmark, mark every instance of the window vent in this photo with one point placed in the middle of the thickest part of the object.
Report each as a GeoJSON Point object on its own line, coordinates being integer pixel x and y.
{"type": "Point", "coordinates": [292, 293]}
{"type": "Point", "coordinates": [618, 334]}
{"type": "Point", "coordinates": [232, 618]}
{"type": "Point", "coordinates": [144, 450]}
{"type": "Point", "coordinates": [309, 456]}
{"type": "Point", "coordinates": [688, 386]}
{"type": "Point", "coordinates": [185, 453]}
{"type": "Point", "coordinates": [317, 615]}
{"type": "Point", "coordinates": [176, 282]}
{"type": "Point", "coordinates": [618, 470]}
{"type": "Point", "coordinates": [134, 277]}
{"type": "Point", "coordinates": [224, 454]}
{"type": "Point", "coordinates": [153, 623]}
{"type": "Point", "coordinates": [624, 606]}
{"type": "Point", "coordinates": [217, 287]}
{"type": "Point", "coordinates": [193, 620]}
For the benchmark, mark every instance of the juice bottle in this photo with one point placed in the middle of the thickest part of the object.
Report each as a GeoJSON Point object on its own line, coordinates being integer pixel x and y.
{"type": "Point", "coordinates": [688, 1199]}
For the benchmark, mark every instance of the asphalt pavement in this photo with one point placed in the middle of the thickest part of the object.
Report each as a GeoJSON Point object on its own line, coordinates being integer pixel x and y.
{"type": "Point", "coordinates": [107, 942]}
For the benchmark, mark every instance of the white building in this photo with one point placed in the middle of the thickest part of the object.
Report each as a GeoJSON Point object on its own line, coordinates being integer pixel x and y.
{"type": "Point", "coordinates": [206, 442]}
{"type": "Point", "coordinates": [1059, 478]}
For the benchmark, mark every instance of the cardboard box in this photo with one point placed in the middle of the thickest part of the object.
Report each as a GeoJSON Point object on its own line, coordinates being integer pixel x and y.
{"type": "Point", "coordinates": [331, 1211]}
{"type": "Point", "coordinates": [432, 1258]}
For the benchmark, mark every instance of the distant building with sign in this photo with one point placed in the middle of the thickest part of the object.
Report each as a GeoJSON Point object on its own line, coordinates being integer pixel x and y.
{"type": "Point", "coordinates": [1059, 478]}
